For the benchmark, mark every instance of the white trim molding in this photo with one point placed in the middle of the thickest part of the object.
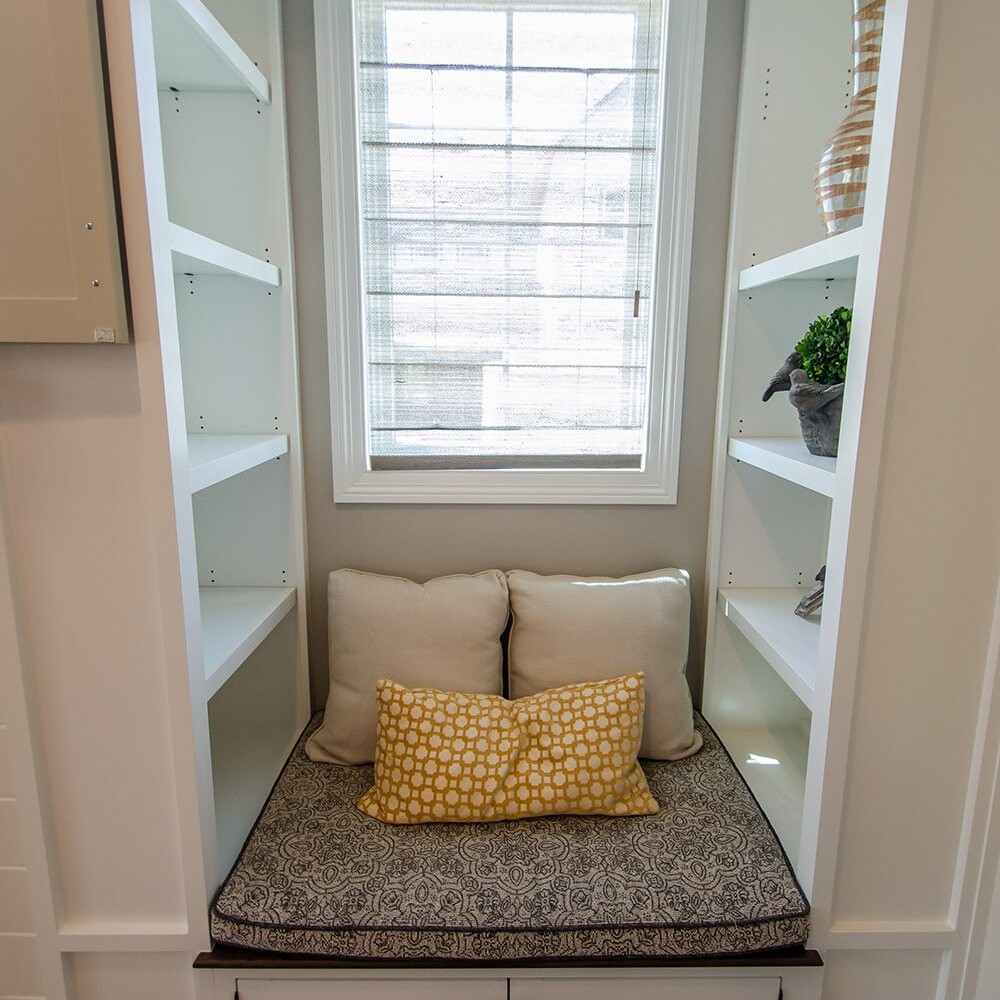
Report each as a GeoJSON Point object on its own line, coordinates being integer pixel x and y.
{"type": "Point", "coordinates": [656, 482]}
{"type": "Point", "coordinates": [887, 935]}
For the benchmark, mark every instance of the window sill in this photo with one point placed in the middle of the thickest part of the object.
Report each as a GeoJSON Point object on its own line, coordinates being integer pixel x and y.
{"type": "Point", "coordinates": [505, 487]}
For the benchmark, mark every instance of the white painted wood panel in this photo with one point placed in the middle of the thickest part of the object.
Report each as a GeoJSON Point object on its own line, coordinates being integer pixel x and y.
{"type": "Point", "coordinates": [11, 851]}
{"type": "Point", "coordinates": [680, 988]}
{"type": "Point", "coordinates": [60, 266]}
{"type": "Point", "coordinates": [774, 535]}
{"type": "Point", "coordinates": [987, 975]}
{"type": "Point", "coordinates": [797, 66]}
{"type": "Point", "coordinates": [772, 759]}
{"type": "Point", "coordinates": [787, 458]}
{"type": "Point", "coordinates": [374, 989]}
{"type": "Point", "coordinates": [15, 910]}
{"type": "Point", "coordinates": [245, 530]}
{"type": "Point", "coordinates": [195, 52]}
{"type": "Point", "coordinates": [234, 622]}
{"type": "Point", "coordinates": [88, 615]}
{"type": "Point", "coordinates": [835, 257]}
{"type": "Point", "coordinates": [6, 776]}
{"type": "Point", "coordinates": [232, 357]}
{"type": "Point", "coordinates": [215, 457]}
{"type": "Point", "coordinates": [764, 726]}
{"type": "Point", "coordinates": [790, 644]}
{"type": "Point", "coordinates": [224, 143]}
{"type": "Point", "coordinates": [194, 253]}
{"type": "Point", "coordinates": [20, 972]}
{"type": "Point", "coordinates": [132, 975]}
{"type": "Point", "coordinates": [254, 721]}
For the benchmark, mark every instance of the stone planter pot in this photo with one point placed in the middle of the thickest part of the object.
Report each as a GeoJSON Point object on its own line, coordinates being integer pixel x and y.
{"type": "Point", "coordinates": [820, 406]}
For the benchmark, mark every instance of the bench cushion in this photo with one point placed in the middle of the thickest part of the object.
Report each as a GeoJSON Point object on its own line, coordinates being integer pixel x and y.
{"type": "Point", "coordinates": [706, 876]}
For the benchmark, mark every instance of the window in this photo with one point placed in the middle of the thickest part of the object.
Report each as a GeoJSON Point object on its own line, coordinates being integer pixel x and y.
{"type": "Point", "coordinates": [507, 195]}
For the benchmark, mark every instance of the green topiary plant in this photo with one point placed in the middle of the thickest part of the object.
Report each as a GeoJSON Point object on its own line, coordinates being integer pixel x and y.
{"type": "Point", "coordinates": [823, 349]}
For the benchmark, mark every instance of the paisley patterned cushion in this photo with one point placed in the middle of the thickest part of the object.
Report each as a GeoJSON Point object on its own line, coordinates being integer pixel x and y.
{"type": "Point", "coordinates": [706, 876]}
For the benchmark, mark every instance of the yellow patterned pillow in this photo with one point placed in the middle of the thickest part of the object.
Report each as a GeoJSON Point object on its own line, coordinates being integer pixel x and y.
{"type": "Point", "coordinates": [445, 757]}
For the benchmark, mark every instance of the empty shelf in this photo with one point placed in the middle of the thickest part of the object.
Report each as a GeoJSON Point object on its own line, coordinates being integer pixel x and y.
{"type": "Point", "coordinates": [788, 459]}
{"type": "Point", "coordinates": [773, 762]}
{"type": "Point", "coordinates": [790, 644]}
{"type": "Point", "coordinates": [836, 257]}
{"type": "Point", "coordinates": [245, 766]}
{"type": "Point", "coordinates": [194, 52]}
{"type": "Point", "coordinates": [197, 254]}
{"type": "Point", "coordinates": [215, 457]}
{"type": "Point", "coordinates": [234, 622]}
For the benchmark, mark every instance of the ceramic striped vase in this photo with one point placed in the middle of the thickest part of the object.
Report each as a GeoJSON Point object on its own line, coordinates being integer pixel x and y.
{"type": "Point", "coordinates": [842, 170]}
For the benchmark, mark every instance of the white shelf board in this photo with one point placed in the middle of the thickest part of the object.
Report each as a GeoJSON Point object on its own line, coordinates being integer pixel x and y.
{"type": "Point", "coordinates": [197, 254]}
{"type": "Point", "coordinates": [835, 257]}
{"type": "Point", "coordinates": [194, 52]}
{"type": "Point", "coordinates": [787, 458]}
{"type": "Point", "coordinates": [213, 458]}
{"type": "Point", "coordinates": [234, 622]}
{"type": "Point", "coordinates": [773, 762]}
{"type": "Point", "coordinates": [790, 644]}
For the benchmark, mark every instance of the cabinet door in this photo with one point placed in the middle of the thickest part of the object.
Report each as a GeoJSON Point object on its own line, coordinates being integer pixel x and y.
{"type": "Point", "coordinates": [60, 266]}
{"type": "Point", "coordinates": [653, 988]}
{"type": "Point", "coordinates": [373, 989]}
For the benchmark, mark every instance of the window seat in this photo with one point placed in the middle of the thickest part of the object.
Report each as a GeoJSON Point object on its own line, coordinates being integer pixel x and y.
{"type": "Point", "coordinates": [705, 878]}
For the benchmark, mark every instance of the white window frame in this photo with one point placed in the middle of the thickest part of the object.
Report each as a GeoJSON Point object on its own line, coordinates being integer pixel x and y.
{"type": "Point", "coordinates": [656, 483]}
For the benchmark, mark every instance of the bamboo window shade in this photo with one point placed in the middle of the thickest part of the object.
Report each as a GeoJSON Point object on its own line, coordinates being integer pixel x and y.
{"type": "Point", "coordinates": [508, 155]}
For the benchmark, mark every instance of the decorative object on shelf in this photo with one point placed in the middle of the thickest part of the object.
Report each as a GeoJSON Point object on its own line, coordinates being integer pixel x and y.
{"type": "Point", "coordinates": [781, 380]}
{"type": "Point", "coordinates": [820, 407]}
{"type": "Point", "coordinates": [813, 376]}
{"type": "Point", "coordinates": [842, 171]}
{"type": "Point", "coordinates": [813, 601]}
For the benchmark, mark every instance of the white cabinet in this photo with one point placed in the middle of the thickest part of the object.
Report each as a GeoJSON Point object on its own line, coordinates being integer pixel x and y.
{"type": "Point", "coordinates": [60, 263]}
{"type": "Point", "coordinates": [211, 115]}
{"type": "Point", "coordinates": [596, 984]}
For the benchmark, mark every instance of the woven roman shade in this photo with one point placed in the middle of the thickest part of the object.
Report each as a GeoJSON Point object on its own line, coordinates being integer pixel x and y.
{"type": "Point", "coordinates": [508, 155]}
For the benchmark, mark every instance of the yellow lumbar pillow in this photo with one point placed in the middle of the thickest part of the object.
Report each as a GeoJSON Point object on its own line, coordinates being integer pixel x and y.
{"type": "Point", "coordinates": [446, 757]}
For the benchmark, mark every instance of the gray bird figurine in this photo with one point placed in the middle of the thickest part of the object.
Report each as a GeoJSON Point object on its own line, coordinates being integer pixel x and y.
{"type": "Point", "coordinates": [780, 381]}
{"type": "Point", "coordinates": [808, 396]}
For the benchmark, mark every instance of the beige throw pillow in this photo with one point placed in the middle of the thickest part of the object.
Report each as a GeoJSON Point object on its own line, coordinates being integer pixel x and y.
{"type": "Point", "coordinates": [569, 629]}
{"type": "Point", "coordinates": [442, 634]}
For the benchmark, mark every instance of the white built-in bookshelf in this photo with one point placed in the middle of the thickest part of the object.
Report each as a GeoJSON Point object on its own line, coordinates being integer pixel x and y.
{"type": "Point", "coordinates": [779, 513]}
{"type": "Point", "coordinates": [214, 145]}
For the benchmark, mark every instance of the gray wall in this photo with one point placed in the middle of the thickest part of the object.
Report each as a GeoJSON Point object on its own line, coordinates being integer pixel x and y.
{"type": "Point", "coordinates": [422, 541]}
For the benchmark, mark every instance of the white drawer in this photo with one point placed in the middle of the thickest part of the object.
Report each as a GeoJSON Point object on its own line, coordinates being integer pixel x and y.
{"type": "Point", "coordinates": [373, 989]}
{"type": "Point", "coordinates": [651, 988]}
